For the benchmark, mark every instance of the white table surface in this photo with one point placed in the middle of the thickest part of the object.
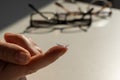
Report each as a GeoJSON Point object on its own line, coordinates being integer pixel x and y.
{"type": "Point", "coordinates": [92, 55]}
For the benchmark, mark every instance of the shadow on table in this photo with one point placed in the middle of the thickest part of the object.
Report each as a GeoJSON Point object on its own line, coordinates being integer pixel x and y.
{"type": "Point", "coordinates": [13, 10]}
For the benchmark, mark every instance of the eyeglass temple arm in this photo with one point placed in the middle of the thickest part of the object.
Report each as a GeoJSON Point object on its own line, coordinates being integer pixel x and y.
{"type": "Point", "coordinates": [90, 11]}
{"type": "Point", "coordinates": [61, 6]}
{"type": "Point", "coordinates": [108, 4]}
{"type": "Point", "coordinates": [33, 8]}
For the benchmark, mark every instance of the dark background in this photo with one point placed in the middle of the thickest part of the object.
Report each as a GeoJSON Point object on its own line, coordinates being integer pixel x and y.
{"type": "Point", "coordinates": [12, 11]}
{"type": "Point", "coordinates": [116, 3]}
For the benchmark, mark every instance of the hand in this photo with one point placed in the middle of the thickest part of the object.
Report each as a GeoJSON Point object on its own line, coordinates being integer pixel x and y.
{"type": "Point", "coordinates": [20, 56]}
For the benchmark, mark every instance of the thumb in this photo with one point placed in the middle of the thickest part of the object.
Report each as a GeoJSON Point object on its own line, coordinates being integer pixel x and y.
{"type": "Point", "coordinates": [13, 53]}
{"type": "Point", "coordinates": [24, 42]}
{"type": "Point", "coordinates": [49, 57]}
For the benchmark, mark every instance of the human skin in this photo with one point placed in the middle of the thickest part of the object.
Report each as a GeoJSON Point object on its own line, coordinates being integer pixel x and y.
{"type": "Point", "coordinates": [14, 67]}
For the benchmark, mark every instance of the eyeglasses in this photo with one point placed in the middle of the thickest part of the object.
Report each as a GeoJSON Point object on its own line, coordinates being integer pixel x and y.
{"type": "Point", "coordinates": [103, 9]}
{"type": "Point", "coordinates": [44, 22]}
{"type": "Point", "coordinates": [55, 20]}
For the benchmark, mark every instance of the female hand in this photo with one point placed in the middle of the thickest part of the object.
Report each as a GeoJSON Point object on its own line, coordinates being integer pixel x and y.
{"type": "Point", "coordinates": [20, 56]}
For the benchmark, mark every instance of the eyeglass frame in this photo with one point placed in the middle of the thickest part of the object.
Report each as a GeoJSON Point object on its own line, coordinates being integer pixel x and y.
{"type": "Point", "coordinates": [73, 13]}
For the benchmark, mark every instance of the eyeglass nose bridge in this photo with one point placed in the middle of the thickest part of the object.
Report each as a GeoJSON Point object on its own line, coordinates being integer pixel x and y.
{"type": "Point", "coordinates": [88, 13]}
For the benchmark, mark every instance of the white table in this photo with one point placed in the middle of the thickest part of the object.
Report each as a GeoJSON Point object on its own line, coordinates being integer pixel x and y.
{"type": "Point", "coordinates": [92, 55]}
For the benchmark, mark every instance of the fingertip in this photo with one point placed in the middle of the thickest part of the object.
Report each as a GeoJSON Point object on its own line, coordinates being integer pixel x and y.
{"type": "Point", "coordinates": [8, 34]}
{"type": "Point", "coordinates": [59, 47]}
{"type": "Point", "coordinates": [57, 51]}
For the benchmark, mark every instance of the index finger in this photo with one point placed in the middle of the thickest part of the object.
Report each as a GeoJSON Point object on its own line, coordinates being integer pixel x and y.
{"type": "Point", "coordinates": [14, 54]}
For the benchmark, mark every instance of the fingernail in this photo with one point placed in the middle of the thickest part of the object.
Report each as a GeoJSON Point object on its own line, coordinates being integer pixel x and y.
{"type": "Point", "coordinates": [62, 50]}
{"type": "Point", "coordinates": [58, 44]}
{"type": "Point", "coordinates": [21, 58]}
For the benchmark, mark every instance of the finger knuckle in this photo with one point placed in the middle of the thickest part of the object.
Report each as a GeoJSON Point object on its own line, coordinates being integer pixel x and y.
{"type": "Point", "coordinates": [6, 53]}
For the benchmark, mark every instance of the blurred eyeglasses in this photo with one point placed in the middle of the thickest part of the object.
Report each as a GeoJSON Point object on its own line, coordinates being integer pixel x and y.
{"type": "Point", "coordinates": [102, 8]}
{"type": "Point", "coordinates": [44, 22]}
